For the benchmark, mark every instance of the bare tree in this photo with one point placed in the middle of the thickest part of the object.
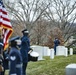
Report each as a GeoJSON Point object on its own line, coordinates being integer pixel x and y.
{"type": "Point", "coordinates": [27, 12]}
{"type": "Point", "coordinates": [54, 33]}
{"type": "Point", "coordinates": [62, 13]}
{"type": "Point", "coordinates": [39, 32]}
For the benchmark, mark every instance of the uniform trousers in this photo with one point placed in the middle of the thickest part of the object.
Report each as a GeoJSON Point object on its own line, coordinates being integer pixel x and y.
{"type": "Point", "coordinates": [24, 68]}
{"type": "Point", "coordinates": [2, 73]}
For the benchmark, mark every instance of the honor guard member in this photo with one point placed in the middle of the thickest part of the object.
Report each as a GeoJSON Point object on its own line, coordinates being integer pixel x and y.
{"type": "Point", "coordinates": [56, 43]}
{"type": "Point", "coordinates": [15, 59]}
{"type": "Point", "coordinates": [25, 47]}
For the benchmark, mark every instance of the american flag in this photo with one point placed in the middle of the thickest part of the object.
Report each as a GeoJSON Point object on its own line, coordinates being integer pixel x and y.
{"type": "Point", "coordinates": [5, 24]}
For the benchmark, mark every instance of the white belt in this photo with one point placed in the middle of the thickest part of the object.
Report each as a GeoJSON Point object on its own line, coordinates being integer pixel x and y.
{"type": "Point", "coordinates": [18, 65]}
{"type": "Point", "coordinates": [13, 74]}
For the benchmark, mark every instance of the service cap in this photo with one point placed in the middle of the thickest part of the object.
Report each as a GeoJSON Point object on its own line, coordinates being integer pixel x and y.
{"type": "Point", "coordinates": [14, 38]}
{"type": "Point", "coordinates": [25, 31]}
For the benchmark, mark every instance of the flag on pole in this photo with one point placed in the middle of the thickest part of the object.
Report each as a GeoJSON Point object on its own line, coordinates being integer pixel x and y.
{"type": "Point", "coordinates": [5, 24]}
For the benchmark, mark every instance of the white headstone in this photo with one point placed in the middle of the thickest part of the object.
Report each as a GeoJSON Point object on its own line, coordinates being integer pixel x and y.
{"type": "Point", "coordinates": [71, 51]}
{"type": "Point", "coordinates": [46, 51]}
{"type": "Point", "coordinates": [60, 50]}
{"type": "Point", "coordinates": [52, 53]}
{"type": "Point", "coordinates": [71, 69]}
{"type": "Point", "coordinates": [66, 51]}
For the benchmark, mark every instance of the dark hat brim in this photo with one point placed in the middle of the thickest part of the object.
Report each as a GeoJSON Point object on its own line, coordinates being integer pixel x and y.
{"type": "Point", "coordinates": [14, 38]}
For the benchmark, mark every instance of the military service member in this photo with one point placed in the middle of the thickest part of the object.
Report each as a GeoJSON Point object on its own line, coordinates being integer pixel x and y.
{"type": "Point", "coordinates": [15, 59]}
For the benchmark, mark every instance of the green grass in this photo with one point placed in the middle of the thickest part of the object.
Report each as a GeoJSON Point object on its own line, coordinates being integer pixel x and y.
{"type": "Point", "coordinates": [49, 66]}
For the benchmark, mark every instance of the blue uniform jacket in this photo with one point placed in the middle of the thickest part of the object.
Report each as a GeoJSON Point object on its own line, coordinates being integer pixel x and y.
{"type": "Point", "coordinates": [56, 43]}
{"type": "Point", "coordinates": [25, 47]}
{"type": "Point", "coordinates": [15, 62]}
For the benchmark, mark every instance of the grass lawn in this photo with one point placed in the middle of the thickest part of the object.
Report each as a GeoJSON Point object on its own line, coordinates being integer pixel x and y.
{"type": "Point", "coordinates": [49, 66]}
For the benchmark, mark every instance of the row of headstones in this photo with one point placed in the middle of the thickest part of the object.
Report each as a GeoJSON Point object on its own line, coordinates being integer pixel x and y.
{"type": "Point", "coordinates": [45, 51]}
{"type": "Point", "coordinates": [42, 51]}
{"type": "Point", "coordinates": [60, 50]}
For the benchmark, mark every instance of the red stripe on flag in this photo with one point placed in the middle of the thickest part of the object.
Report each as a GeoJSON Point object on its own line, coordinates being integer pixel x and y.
{"type": "Point", "coordinates": [7, 37]}
{"type": "Point", "coordinates": [6, 19]}
{"type": "Point", "coordinates": [6, 26]}
{"type": "Point", "coordinates": [4, 12]}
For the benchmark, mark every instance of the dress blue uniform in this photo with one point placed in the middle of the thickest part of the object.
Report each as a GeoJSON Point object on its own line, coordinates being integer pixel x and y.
{"type": "Point", "coordinates": [25, 47]}
{"type": "Point", "coordinates": [15, 59]}
{"type": "Point", "coordinates": [5, 61]}
{"type": "Point", "coordinates": [56, 43]}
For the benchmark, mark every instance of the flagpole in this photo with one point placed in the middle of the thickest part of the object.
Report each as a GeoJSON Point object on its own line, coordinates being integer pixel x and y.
{"type": "Point", "coordinates": [1, 40]}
